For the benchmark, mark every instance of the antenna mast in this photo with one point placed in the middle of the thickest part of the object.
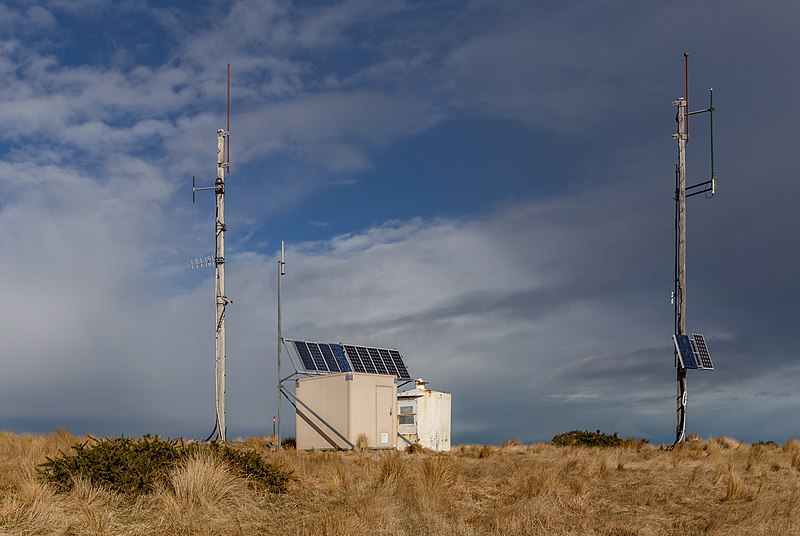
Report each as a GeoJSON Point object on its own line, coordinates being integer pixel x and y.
{"type": "Point", "coordinates": [684, 362]}
{"type": "Point", "coordinates": [221, 300]}
{"type": "Point", "coordinates": [281, 273]}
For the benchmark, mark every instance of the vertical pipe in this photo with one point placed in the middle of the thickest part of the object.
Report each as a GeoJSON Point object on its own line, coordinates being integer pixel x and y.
{"type": "Point", "coordinates": [281, 272]}
{"type": "Point", "coordinates": [686, 78]}
{"type": "Point", "coordinates": [711, 121]}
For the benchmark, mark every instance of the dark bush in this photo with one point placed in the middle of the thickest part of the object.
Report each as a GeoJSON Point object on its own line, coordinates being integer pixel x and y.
{"type": "Point", "coordinates": [585, 438]}
{"type": "Point", "coordinates": [135, 466]}
{"type": "Point", "coordinates": [770, 444]}
{"type": "Point", "coordinates": [289, 443]}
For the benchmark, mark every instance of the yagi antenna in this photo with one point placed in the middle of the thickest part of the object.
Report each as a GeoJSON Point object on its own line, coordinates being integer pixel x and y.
{"type": "Point", "coordinates": [221, 301]}
{"type": "Point", "coordinates": [689, 353]}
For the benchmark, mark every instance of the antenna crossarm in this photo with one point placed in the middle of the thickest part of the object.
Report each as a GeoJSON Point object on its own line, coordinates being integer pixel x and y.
{"type": "Point", "coordinates": [701, 111]}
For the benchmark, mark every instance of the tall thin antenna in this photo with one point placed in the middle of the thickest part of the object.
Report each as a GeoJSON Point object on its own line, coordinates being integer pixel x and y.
{"type": "Point", "coordinates": [229, 120]}
{"type": "Point", "coordinates": [281, 273]}
{"type": "Point", "coordinates": [221, 300]}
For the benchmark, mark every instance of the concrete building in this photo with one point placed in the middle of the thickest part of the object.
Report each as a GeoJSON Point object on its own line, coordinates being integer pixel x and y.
{"type": "Point", "coordinates": [346, 405]}
{"type": "Point", "coordinates": [423, 417]}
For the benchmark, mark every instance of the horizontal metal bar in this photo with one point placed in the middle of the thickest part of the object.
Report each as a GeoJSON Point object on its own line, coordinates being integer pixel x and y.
{"type": "Point", "coordinates": [699, 184]}
{"type": "Point", "coordinates": [701, 111]}
{"type": "Point", "coordinates": [195, 189]}
{"type": "Point", "coordinates": [700, 192]}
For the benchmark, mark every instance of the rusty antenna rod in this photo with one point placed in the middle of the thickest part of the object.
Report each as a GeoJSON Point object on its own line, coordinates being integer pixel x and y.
{"type": "Point", "coordinates": [686, 78]}
{"type": "Point", "coordinates": [229, 120]}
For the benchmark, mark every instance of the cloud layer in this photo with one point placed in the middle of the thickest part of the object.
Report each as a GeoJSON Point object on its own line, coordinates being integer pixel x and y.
{"type": "Point", "coordinates": [530, 278]}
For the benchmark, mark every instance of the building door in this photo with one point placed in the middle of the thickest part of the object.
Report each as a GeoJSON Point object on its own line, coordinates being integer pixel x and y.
{"type": "Point", "coordinates": [384, 415]}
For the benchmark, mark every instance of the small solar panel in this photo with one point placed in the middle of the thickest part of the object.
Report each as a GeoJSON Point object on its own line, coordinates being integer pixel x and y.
{"type": "Point", "coordinates": [369, 366]}
{"type": "Point", "coordinates": [305, 355]}
{"type": "Point", "coordinates": [387, 361]}
{"type": "Point", "coordinates": [402, 372]}
{"type": "Point", "coordinates": [341, 359]}
{"type": "Point", "coordinates": [685, 352]}
{"type": "Point", "coordinates": [319, 361]}
{"type": "Point", "coordinates": [327, 354]}
{"type": "Point", "coordinates": [355, 360]}
{"type": "Point", "coordinates": [377, 361]}
{"type": "Point", "coordinates": [702, 354]}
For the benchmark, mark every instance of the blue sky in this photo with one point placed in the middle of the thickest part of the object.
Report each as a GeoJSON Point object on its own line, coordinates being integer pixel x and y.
{"type": "Point", "coordinates": [486, 186]}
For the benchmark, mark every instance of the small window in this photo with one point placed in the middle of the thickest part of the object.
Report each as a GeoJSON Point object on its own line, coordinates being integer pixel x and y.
{"type": "Point", "coordinates": [406, 419]}
{"type": "Point", "coordinates": [407, 410]}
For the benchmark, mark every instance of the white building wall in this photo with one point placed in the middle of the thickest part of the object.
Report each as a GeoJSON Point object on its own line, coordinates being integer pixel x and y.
{"type": "Point", "coordinates": [431, 426]}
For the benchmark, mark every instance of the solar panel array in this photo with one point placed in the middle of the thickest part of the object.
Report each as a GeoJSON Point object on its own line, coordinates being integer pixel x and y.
{"type": "Point", "coordinates": [693, 351]}
{"type": "Point", "coordinates": [333, 357]}
{"type": "Point", "coordinates": [685, 352]}
{"type": "Point", "coordinates": [702, 352]}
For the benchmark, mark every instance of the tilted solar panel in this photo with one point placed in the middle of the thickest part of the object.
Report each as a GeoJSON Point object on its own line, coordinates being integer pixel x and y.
{"type": "Point", "coordinates": [355, 360]}
{"type": "Point", "coordinates": [330, 360]}
{"type": "Point", "coordinates": [377, 361]}
{"type": "Point", "coordinates": [685, 353]}
{"type": "Point", "coordinates": [337, 357]}
{"type": "Point", "coordinates": [319, 361]}
{"type": "Point", "coordinates": [369, 366]}
{"type": "Point", "coordinates": [341, 359]}
{"type": "Point", "coordinates": [387, 361]}
{"type": "Point", "coordinates": [702, 352]}
{"type": "Point", "coordinates": [402, 372]}
{"type": "Point", "coordinates": [305, 355]}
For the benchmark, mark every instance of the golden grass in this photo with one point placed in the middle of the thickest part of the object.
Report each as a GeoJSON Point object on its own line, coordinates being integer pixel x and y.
{"type": "Point", "coordinates": [715, 487]}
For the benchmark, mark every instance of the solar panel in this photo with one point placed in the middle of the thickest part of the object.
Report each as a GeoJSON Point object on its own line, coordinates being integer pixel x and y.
{"type": "Point", "coordinates": [341, 359]}
{"type": "Point", "coordinates": [369, 366]}
{"type": "Point", "coordinates": [398, 363]}
{"type": "Point", "coordinates": [327, 354]}
{"type": "Point", "coordinates": [377, 361]}
{"type": "Point", "coordinates": [702, 352]}
{"type": "Point", "coordinates": [319, 361]}
{"type": "Point", "coordinates": [685, 353]}
{"type": "Point", "coordinates": [305, 355]}
{"type": "Point", "coordinates": [352, 356]}
{"type": "Point", "coordinates": [337, 357]}
{"type": "Point", "coordinates": [387, 361]}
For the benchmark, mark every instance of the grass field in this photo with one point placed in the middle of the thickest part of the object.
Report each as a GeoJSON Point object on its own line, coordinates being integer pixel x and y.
{"type": "Point", "coordinates": [719, 486]}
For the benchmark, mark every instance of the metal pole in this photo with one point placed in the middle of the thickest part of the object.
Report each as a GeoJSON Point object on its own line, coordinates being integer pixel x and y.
{"type": "Point", "coordinates": [680, 290]}
{"type": "Point", "coordinates": [221, 300]}
{"type": "Point", "coordinates": [281, 273]}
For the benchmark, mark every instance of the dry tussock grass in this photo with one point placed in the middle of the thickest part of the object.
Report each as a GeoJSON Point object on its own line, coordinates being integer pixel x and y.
{"type": "Point", "coordinates": [714, 487]}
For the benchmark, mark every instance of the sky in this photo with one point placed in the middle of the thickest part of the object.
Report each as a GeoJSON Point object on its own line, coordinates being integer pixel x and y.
{"type": "Point", "coordinates": [486, 186]}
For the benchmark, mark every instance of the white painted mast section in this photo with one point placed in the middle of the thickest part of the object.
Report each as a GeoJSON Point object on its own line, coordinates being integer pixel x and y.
{"type": "Point", "coordinates": [221, 300]}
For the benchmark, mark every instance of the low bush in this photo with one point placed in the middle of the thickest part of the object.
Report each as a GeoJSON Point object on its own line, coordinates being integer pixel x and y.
{"type": "Point", "coordinates": [135, 466]}
{"type": "Point", "coordinates": [585, 438]}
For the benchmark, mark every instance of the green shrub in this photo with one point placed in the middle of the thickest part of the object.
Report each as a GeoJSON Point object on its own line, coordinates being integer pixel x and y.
{"type": "Point", "coordinates": [585, 438]}
{"type": "Point", "coordinates": [135, 466]}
